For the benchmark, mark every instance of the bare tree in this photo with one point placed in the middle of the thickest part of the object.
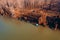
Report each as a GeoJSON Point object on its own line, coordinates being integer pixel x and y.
{"type": "Point", "coordinates": [36, 3]}
{"type": "Point", "coordinates": [27, 4]}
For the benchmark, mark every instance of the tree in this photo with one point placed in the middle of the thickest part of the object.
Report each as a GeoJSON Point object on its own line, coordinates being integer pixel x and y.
{"type": "Point", "coordinates": [27, 4]}
{"type": "Point", "coordinates": [36, 3]}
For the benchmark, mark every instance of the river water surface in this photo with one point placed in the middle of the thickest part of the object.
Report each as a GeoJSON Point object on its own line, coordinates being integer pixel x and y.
{"type": "Point", "coordinates": [11, 29]}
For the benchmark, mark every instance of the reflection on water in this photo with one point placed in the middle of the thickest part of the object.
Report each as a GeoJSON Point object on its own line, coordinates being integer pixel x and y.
{"type": "Point", "coordinates": [11, 29]}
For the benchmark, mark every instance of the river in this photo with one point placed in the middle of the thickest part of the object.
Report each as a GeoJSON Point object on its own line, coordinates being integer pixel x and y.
{"type": "Point", "coordinates": [12, 29]}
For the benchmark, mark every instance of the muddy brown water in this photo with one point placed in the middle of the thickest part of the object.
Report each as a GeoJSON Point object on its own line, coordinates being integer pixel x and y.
{"type": "Point", "coordinates": [11, 29]}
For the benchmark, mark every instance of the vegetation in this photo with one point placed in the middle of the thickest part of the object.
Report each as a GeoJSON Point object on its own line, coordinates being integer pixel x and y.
{"type": "Point", "coordinates": [34, 12]}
